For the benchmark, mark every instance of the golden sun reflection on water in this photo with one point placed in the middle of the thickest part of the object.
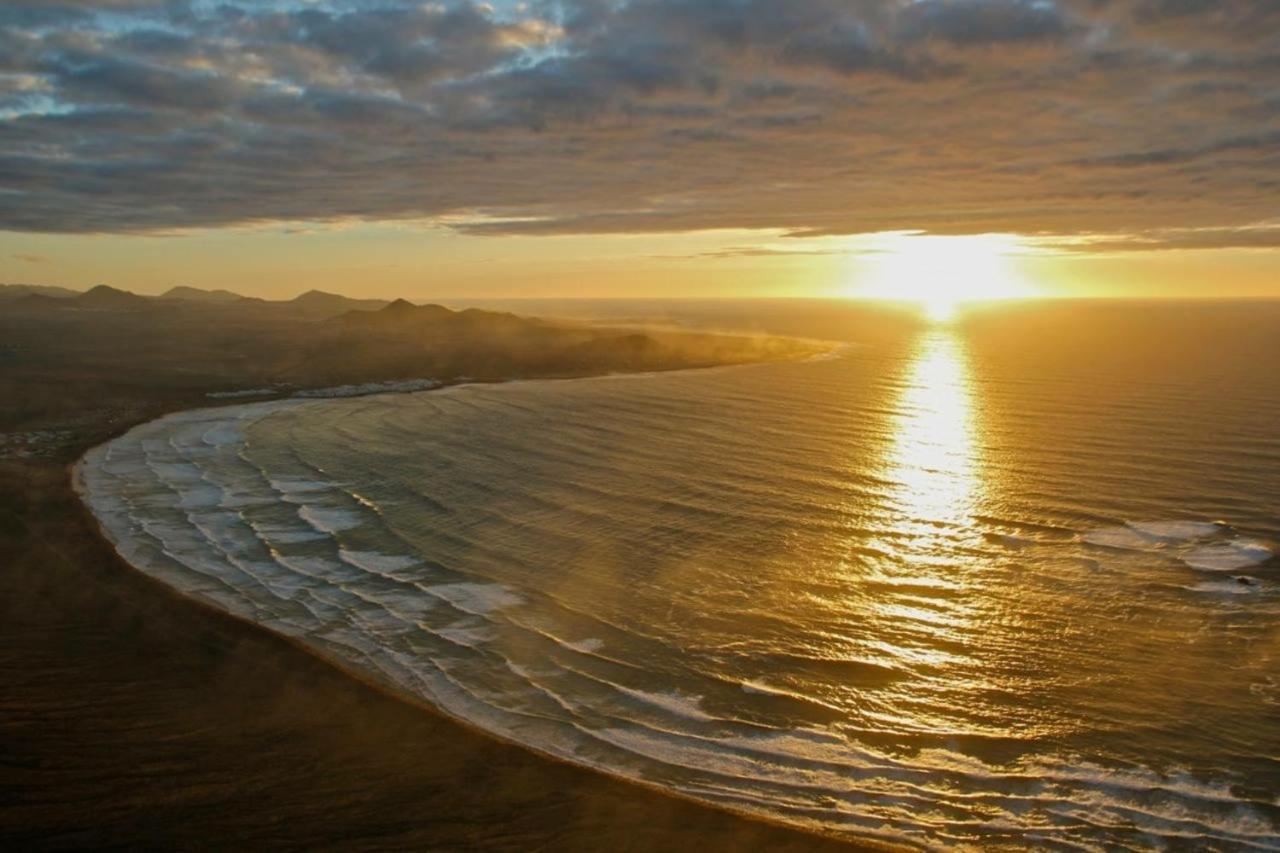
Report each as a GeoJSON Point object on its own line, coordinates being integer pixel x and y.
{"type": "Point", "coordinates": [927, 597]}
{"type": "Point", "coordinates": [932, 458]}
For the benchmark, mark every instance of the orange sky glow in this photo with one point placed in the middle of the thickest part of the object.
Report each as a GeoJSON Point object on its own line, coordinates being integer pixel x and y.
{"type": "Point", "coordinates": [934, 149]}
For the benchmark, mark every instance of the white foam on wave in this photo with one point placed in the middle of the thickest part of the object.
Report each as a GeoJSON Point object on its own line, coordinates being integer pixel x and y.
{"type": "Point", "coordinates": [589, 646]}
{"type": "Point", "coordinates": [409, 606]}
{"type": "Point", "coordinates": [763, 688]}
{"type": "Point", "coordinates": [223, 529]}
{"type": "Point", "coordinates": [1155, 802]}
{"type": "Point", "coordinates": [290, 486]}
{"type": "Point", "coordinates": [233, 395]}
{"type": "Point", "coordinates": [1227, 587]}
{"type": "Point", "coordinates": [277, 535]}
{"type": "Point", "coordinates": [286, 585]}
{"type": "Point", "coordinates": [760, 688]}
{"type": "Point", "coordinates": [201, 496]}
{"type": "Point", "coordinates": [368, 503]}
{"type": "Point", "coordinates": [1149, 535]}
{"type": "Point", "coordinates": [242, 500]}
{"type": "Point", "coordinates": [707, 756]}
{"type": "Point", "coordinates": [689, 707]}
{"type": "Point", "coordinates": [222, 433]}
{"type": "Point", "coordinates": [382, 623]}
{"type": "Point", "coordinates": [1229, 556]}
{"type": "Point", "coordinates": [1200, 545]}
{"type": "Point", "coordinates": [319, 568]}
{"type": "Point", "coordinates": [1165, 819]}
{"type": "Point", "coordinates": [471, 636]}
{"type": "Point", "coordinates": [1011, 540]}
{"type": "Point", "coordinates": [406, 386]}
{"type": "Point", "coordinates": [478, 599]}
{"type": "Point", "coordinates": [184, 474]}
{"type": "Point", "coordinates": [808, 737]}
{"type": "Point", "coordinates": [1123, 538]}
{"type": "Point", "coordinates": [378, 563]}
{"type": "Point", "coordinates": [1176, 531]}
{"type": "Point", "coordinates": [1133, 780]}
{"type": "Point", "coordinates": [330, 520]}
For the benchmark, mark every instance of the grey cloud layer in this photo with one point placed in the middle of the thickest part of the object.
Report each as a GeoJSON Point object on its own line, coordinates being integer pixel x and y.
{"type": "Point", "coordinates": [1144, 118]}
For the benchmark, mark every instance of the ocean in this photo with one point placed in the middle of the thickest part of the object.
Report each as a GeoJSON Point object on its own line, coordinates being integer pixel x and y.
{"type": "Point", "coordinates": [1009, 580]}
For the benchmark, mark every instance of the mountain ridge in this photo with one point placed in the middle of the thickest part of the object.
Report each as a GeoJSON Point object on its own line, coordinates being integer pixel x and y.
{"type": "Point", "coordinates": [195, 294]}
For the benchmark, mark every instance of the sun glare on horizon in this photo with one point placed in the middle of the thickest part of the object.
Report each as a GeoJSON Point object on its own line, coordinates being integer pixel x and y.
{"type": "Point", "coordinates": [942, 273]}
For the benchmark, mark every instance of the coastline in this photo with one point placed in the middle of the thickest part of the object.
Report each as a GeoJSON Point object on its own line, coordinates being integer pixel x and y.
{"type": "Point", "coordinates": [607, 809]}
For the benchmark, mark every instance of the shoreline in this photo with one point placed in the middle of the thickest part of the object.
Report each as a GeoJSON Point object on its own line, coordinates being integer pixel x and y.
{"type": "Point", "coordinates": [369, 679]}
{"type": "Point", "coordinates": [788, 835]}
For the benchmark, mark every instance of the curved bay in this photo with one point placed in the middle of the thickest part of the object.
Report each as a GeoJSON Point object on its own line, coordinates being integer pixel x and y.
{"type": "Point", "coordinates": [906, 592]}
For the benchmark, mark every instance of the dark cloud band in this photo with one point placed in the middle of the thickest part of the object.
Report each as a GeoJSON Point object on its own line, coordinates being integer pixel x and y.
{"type": "Point", "coordinates": [811, 116]}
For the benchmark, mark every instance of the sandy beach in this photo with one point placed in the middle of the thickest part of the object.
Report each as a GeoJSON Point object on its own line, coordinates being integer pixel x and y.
{"type": "Point", "coordinates": [135, 718]}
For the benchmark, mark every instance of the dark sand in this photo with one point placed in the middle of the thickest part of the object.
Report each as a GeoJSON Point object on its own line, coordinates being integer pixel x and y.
{"type": "Point", "coordinates": [131, 717]}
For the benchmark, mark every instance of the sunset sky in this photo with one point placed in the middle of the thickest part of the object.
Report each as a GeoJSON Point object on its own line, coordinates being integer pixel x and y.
{"type": "Point", "coordinates": [643, 147]}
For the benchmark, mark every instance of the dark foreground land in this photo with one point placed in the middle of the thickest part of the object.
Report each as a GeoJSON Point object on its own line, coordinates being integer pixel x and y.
{"type": "Point", "coordinates": [133, 718]}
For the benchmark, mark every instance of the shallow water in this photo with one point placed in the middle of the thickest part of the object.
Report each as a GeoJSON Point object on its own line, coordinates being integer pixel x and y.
{"type": "Point", "coordinates": [1009, 581]}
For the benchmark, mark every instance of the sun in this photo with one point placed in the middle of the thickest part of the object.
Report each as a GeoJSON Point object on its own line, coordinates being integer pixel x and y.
{"type": "Point", "coordinates": [941, 273]}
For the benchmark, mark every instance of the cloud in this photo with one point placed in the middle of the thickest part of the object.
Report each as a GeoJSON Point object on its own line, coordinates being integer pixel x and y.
{"type": "Point", "coordinates": [810, 117]}
{"type": "Point", "coordinates": [982, 22]}
{"type": "Point", "coordinates": [734, 252]}
{"type": "Point", "coordinates": [1264, 143]}
{"type": "Point", "coordinates": [1264, 236]}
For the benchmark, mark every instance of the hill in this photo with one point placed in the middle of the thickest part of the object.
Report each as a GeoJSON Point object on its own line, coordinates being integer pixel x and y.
{"type": "Point", "coordinates": [404, 341]}
{"type": "Point", "coordinates": [317, 303]}
{"type": "Point", "coordinates": [403, 316]}
{"type": "Point", "coordinates": [104, 297]}
{"type": "Point", "coordinates": [108, 350]}
{"type": "Point", "coordinates": [18, 291]}
{"type": "Point", "coordinates": [195, 294]}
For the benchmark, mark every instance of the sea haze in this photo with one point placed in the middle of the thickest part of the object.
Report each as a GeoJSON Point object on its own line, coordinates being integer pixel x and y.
{"type": "Point", "coordinates": [1007, 580]}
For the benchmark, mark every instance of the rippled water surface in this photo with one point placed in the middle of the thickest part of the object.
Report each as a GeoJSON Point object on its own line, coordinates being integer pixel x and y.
{"type": "Point", "coordinates": [1009, 581]}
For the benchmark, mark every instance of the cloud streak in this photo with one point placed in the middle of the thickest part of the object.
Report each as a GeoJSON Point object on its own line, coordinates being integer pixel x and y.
{"type": "Point", "coordinates": [813, 117]}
